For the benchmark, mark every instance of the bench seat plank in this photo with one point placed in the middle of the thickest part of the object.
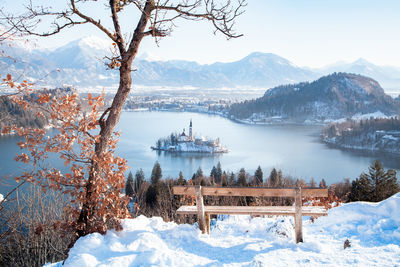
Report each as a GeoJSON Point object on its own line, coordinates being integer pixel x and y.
{"type": "Point", "coordinates": [255, 210]}
{"type": "Point", "coordinates": [250, 191]}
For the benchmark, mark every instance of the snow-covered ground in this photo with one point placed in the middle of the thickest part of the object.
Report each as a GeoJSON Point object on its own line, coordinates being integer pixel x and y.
{"type": "Point", "coordinates": [372, 228]}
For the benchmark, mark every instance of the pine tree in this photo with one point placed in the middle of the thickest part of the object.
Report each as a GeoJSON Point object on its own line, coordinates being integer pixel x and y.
{"type": "Point", "coordinates": [280, 179]}
{"type": "Point", "coordinates": [213, 174]}
{"type": "Point", "coordinates": [154, 189]}
{"type": "Point", "coordinates": [273, 179]}
{"type": "Point", "coordinates": [242, 177]}
{"type": "Point", "coordinates": [224, 179]}
{"type": "Point", "coordinates": [151, 195]}
{"type": "Point", "coordinates": [199, 173]}
{"type": "Point", "coordinates": [375, 186]}
{"type": "Point", "coordinates": [259, 176]}
{"type": "Point", "coordinates": [129, 191]}
{"type": "Point", "coordinates": [139, 179]}
{"type": "Point", "coordinates": [322, 184]}
{"type": "Point", "coordinates": [313, 184]}
{"type": "Point", "coordinates": [219, 173]}
{"type": "Point", "coordinates": [156, 173]}
{"type": "Point", "coordinates": [231, 180]}
{"type": "Point", "coordinates": [181, 179]}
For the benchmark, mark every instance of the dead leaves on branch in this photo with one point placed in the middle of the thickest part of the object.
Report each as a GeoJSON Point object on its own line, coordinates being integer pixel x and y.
{"type": "Point", "coordinates": [74, 141]}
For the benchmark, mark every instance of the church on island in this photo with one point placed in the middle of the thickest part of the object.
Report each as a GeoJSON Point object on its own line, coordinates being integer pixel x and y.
{"type": "Point", "coordinates": [188, 143]}
{"type": "Point", "coordinates": [183, 137]}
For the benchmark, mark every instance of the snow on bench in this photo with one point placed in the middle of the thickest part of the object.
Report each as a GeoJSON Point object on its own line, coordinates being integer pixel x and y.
{"type": "Point", "coordinates": [297, 211]}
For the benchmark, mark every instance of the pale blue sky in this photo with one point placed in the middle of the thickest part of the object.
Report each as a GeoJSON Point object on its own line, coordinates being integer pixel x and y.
{"type": "Point", "coordinates": [307, 32]}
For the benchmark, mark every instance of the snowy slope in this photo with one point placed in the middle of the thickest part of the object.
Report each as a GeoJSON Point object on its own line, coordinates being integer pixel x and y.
{"type": "Point", "coordinates": [372, 228]}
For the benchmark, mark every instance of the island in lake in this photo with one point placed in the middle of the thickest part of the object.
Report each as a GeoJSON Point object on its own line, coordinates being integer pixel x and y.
{"type": "Point", "coordinates": [188, 143]}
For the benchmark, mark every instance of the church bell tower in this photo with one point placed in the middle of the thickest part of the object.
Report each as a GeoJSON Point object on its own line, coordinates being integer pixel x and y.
{"type": "Point", "coordinates": [190, 130]}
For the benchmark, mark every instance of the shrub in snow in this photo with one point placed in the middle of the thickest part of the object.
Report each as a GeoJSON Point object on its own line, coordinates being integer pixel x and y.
{"type": "Point", "coordinates": [376, 185]}
{"type": "Point", "coordinates": [346, 244]}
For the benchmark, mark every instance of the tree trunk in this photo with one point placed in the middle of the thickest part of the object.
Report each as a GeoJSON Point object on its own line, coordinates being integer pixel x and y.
{"type": "Point", "coordinates": [108, 125]}
{"type": "Point", "coordinates": [106, 130]}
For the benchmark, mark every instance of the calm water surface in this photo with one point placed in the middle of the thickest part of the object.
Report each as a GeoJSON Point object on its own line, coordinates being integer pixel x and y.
{"type": "Point", "coordinates": [294, 149]}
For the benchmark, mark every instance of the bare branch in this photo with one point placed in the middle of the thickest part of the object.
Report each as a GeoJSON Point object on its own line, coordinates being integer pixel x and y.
{"type": "Point", "coordinates": [117, 27]}
{"type": "Point", "coordinates": [156, 33]}
{"type": "Point", "coordinates": [12, 191]}
{"type": "Point", "coordinates": [222, 17]}
{"type": "Point", "coordinates": [140, 28]}
{"type": "Point", "coordinates": [28, 22]}
{"type": "Point", "coordinates": [91, 20]}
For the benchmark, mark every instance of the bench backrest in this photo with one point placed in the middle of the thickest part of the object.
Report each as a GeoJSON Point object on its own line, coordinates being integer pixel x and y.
{"type": "Point", "coordinates": [250, 191]}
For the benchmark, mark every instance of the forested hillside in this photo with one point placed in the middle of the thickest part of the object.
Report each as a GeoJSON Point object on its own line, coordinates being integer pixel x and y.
{"type": "Point", "coordinates": [371, 134]}
{"type": "Point", "coordinates": [339, 95]}
{"type": "Point", "coordinates": [12, 113]}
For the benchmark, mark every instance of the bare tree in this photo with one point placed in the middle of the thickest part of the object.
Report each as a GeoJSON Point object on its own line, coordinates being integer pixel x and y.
{"type": "Point", "coordinates": [6, 32]}
{"type": "Point", "coordinates": [156, 19]}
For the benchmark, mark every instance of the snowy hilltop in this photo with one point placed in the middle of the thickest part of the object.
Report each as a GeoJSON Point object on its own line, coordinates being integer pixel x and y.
{"type": "Point", "coordinates": [373, 230]}
{"type": "Point", "coordinates": [189, 143]}
{"type": "Point", "coordinates": [333, 97]}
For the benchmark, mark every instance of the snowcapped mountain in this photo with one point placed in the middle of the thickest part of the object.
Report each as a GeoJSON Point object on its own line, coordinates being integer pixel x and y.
{"type": "Point", "coordinates": [87, 52]}
{"type": "Point", "coordinates": [81, 63]}
{"type": "Point", "coordinates": [332, 97]}
{"type": "Point", "coordinates": [262, 70]}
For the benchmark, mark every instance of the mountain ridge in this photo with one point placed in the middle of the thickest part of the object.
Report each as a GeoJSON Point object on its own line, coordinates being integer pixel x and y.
{"type": "Point", "coordinates": [81, 64]}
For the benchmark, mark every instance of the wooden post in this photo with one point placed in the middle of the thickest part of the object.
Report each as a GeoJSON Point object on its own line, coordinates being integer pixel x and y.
{"type": "Point", "coordinates": [208, 223]}
{"type": "Point", "coordinates": [200, 209]}
{"type": "Point", "coordinates": [298, 224]}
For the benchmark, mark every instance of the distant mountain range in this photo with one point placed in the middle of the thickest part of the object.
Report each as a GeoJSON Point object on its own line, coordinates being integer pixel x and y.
{"type": "Point", "coordinates": [332, 97]}
{"type": "Point", "coordinates": [81, 64]}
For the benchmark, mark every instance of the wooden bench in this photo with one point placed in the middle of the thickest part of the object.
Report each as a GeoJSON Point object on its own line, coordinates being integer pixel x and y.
{"type": "Point", "coordinates": [297, 211]}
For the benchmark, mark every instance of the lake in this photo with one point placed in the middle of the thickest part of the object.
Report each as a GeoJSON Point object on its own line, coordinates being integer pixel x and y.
{"type": "Point", "coordinates": [295, 149]}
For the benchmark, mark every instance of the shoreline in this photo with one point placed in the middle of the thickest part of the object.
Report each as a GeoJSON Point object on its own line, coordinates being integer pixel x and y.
{"type": "Point", "coordinates": [369, 150]}
{"type": "Point", "coordinates": [189, 151]}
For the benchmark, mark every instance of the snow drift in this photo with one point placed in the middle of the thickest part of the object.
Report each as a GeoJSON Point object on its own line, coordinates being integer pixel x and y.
{"type": "Point", "coordinates": [372, 228]}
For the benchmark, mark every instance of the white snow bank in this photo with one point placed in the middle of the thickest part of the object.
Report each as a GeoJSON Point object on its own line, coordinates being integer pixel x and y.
{"type": "Point", "coordinates": [372, 228]}
{"type": "Point", "coordinates": [373, 224]}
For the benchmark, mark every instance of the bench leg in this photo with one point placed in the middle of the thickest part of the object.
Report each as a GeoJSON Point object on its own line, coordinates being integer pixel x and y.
{"type": "Point", "coordinates": [298, 222]}
{"type": "Point", "coordinates": [208, 223]}
{"type": "Point", "coordinates": [200, 209]}
{"type": "Point", "coordinates": [298, 227]}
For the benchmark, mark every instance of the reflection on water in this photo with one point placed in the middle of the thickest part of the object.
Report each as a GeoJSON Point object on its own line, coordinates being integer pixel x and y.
{"type": "Point", "coordinates": [295, 149]}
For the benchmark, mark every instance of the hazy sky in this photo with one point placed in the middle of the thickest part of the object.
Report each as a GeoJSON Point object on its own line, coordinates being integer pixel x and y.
{"type": "Point", "coordinates": [307, 32]}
